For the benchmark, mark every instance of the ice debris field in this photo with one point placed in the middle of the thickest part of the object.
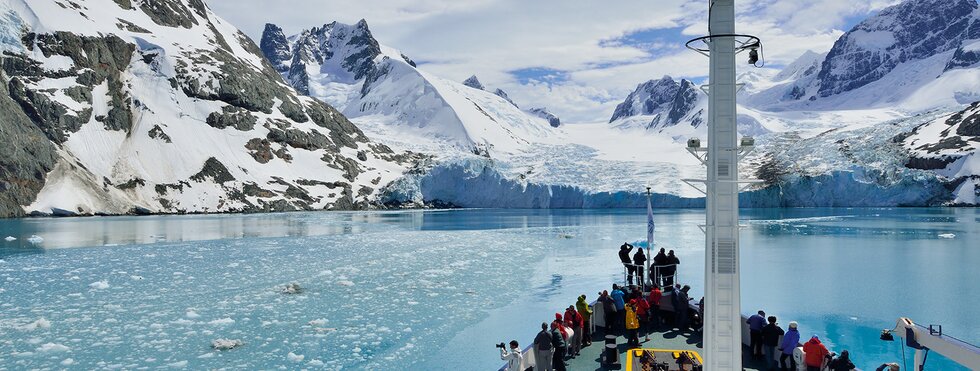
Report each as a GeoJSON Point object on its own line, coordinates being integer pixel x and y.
{"type": "Point", "coordinates": [365, 301]}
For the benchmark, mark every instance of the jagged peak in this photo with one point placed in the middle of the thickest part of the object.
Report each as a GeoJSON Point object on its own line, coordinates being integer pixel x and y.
{"type": "Point", "coordinates": [473, 82]}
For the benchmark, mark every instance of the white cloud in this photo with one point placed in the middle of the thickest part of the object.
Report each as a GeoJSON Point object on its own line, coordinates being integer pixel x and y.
{"type": "Point", "coordinates": [490, 38]}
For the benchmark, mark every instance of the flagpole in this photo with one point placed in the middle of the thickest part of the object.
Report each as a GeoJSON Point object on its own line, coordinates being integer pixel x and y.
{"type": "Point", "coordinates": [649, 235]}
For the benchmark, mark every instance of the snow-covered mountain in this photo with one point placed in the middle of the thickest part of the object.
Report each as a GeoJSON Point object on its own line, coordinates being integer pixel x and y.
{"type": "Point", "coordinates": [382, 90]}
{"type": "Point", "coordinates": [660, 104]}
{"type": "Point", "coordinates": [116, 106]}
{"type": "Point", "coordinates": [915, 55]}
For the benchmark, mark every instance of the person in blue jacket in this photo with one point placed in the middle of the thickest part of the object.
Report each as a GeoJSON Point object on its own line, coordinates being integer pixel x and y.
{"type": "Point", "coordinates": [619, 297]}
{"type": "Point", "coordinates": [790, 340]}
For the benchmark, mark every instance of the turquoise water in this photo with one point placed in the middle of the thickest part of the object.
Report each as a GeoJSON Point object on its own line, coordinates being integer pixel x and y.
{"type": "Point", "coordinates": [435, 289]}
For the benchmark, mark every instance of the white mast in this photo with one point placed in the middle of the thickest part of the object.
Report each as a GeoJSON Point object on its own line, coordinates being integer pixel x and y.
{"type": "Point", "coordinates": [722, 311]}
{"type": "Point", "coordinates": [722, 330]}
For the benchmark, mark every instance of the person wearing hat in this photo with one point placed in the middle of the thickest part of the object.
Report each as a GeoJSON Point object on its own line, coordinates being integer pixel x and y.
{"type": "Point", "coordinates": [632, 325]}
{"type": "Point", "coordinates": [559, 345]}
{"type": "Point", "coordinates": [573, 321]}
{"type": "Point", "coordinates": [585, 311]}
{"type": "Point", "coordinates": [790, 341]}
{"type": "Point", "coordinates": [816, 354]}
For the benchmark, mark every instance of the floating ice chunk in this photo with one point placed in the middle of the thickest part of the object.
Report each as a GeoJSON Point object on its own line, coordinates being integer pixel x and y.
{"type": "Point", "coordinates": [10, 238]}
{"type": "Point", "coordinates": [222, 321]}
{"type": "Point", "coordinates": [99, 285]}
{"type": "Point", "coordinates": [315, 363]}
{"type": "Point", "coordinates": [345, 283]}
{"type": "Point", "coordinates": [179, 364]}
{"type": "Point", "coordinates": [947, 235]}
{"type": "Point", "coordinates": [318, 322]}
{"type": "Point", "coordinates": [40, 323]}
{"type": "Point", "coordinates": [322, 330]}
{"type": "Point", "coordinates": [226, 344]}
{"type": "Point", "coordinates": [52, 348]}
{"type": "Point", "coordinates": [136, 278]}
{"type": "Point", "coordinates": [191, 313]}
{"type": "Point", "coordinates": [291, 288]}
{"type": "Point", "coordinates": [293, 357]}
{"type": "Point", "coordinates": [67, 362]}
{"type": "Point", "coordinates": [35, 239]}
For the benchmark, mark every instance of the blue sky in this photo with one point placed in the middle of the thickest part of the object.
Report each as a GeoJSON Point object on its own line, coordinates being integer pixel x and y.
{"type": "Point", "coordinates": [579, 58]}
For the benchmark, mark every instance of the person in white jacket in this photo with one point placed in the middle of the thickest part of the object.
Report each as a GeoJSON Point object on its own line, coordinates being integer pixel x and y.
{"type": "Point", "coordinates": [513, 357]}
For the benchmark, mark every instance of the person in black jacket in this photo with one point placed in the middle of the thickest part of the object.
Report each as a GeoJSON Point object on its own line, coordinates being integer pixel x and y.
{"type": "Point", "coordinates": [770, 340]}
{"type": "Point", "coordinates": [671, 270]}
{"type": "Point", "coordinates": [624, 256]}
{"type": "Point", "coordinates": [659, 263]}
{"type": "Point", "coordinates": [558, 343]}
{"type": "Point", "coordinates": [639, 259]}
{"type": "Point", "coordinates": [842, 362]}
{"type": "Point", "coordinates": [543, 349]}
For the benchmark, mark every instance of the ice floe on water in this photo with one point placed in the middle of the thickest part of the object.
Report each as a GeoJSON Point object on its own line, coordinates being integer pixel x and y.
{"type": "Point", "coordinates": [291, 288]}
{"type": "Point", "coordinates": [947, 235]}
{"type": "Point", "coordinates": [35, 239]}
{"type": "Point", "coordinates": [52, 348]}
{"type": "Point", "coordinates": [10, 238]}
{"type": "Point", "coordinates": [293, 357]}
{"type": "Point", "coordinates": [41, 323]}
{"type": "Point", "coordinates": [170, 302]}
{"type": "Point", "coordinates": [226, 344]}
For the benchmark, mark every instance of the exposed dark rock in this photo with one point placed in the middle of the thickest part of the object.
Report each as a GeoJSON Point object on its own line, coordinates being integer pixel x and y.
{"type": "Point", "coordinates": [171, 13]}
{"type": "Point", "coordinates": [252, 189]}
{"type": "Point", "coordinates": [473, 82]}
{"type": "Point", "coordinates": [408, 60]}
{"type": "Point", "coordinates": [130, 26]}
{"type": "Point", "coordinates": [963, 58]}
{"type": "Point", "coordinates": [132, 183]}
{"type": "Point", "coordinates": [139, 210]}
{"type": "Point", "coordinates": [275, 47]}
{"type": "Point", "coordinates": [260, 149]}
{"type": "Point", "coordinates": [300, 139]}
{"type": "Point", "coordinates": [25, 158]}
{"type": "Point", "coordinates": [157, 133]}
{"type": "Point", "coordinates": [235, 117]}
{"type": "Point", "coordinates": [929, 163]}
{"type": "Point", "coordinates": [553, 120]}
{"type": "Point", "coordinates": [501, 93]}
{"type": "Point", "coordinates": [125, 4]}
{"type": "Point", "coordinates": [214, 170]}
{"type": "Point", "coordinates": [969, 124]}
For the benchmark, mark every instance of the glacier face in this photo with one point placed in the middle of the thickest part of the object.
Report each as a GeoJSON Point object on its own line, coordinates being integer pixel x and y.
{"type": "Point", "coordinates": [164, 107]}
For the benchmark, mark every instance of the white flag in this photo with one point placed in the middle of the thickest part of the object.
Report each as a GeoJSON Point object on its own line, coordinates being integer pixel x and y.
{"type": "Point", "coordinates": [649, 225]}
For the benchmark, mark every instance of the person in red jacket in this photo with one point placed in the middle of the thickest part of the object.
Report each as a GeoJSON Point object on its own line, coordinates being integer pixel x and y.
{"type": "Point", "coordinates": [816, 354]}
{"type": "Point", "coordinates": [643, 313]}
{"type": "Point", "coordinates": [574, 321]}
{"type": "Point", "coordinates": [654, 301]}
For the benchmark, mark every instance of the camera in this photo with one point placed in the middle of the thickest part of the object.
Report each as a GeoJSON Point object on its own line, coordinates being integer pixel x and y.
{"type": "Point", "coordinates": [502, 346]}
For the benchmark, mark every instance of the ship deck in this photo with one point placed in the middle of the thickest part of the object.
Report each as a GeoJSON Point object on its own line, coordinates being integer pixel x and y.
{"type": "Point", "coordinates": [663, 337]}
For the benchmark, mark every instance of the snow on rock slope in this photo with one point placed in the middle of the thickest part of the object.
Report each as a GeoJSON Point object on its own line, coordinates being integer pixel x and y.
{"type": "Point", "coordinates": [143, 106]}
{"type": "Point", "coordinates": [372, 84]}
{"type": "Point", "coordinates": [915, 55]}
{"type": "Point", "coordinates": [949, 147]}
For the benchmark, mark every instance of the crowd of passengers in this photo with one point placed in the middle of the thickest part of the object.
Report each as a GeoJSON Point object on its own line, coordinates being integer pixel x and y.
{"type": "Point", "coordinates": [629, 311]}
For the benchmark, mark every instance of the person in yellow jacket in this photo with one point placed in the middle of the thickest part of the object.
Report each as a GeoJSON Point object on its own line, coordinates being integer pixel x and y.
{"type": "Point", "coordinates": [586, 312]}
{"type": "Point", "coordinates": [632, 325]}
